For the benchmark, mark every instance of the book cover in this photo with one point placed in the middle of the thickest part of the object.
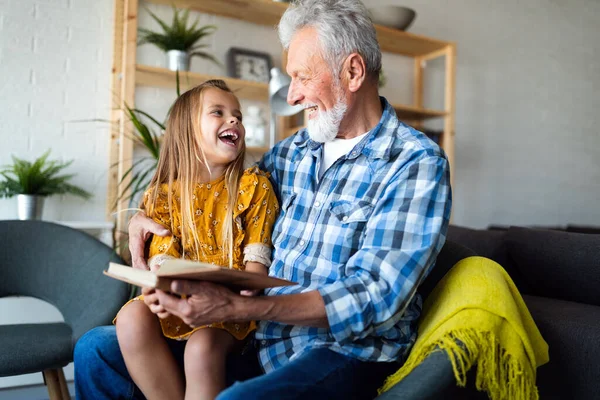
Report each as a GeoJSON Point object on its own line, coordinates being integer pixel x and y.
{"type": "Point", "coordinates": [186, 269]}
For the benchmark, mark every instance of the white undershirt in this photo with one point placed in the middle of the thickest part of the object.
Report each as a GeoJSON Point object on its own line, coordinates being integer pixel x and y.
{"type": "Point", "coordinates": [335, 149]}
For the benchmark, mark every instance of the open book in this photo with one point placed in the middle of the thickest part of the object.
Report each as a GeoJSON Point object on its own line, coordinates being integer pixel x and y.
{"type": "Point", "coordinates": [185, 269]}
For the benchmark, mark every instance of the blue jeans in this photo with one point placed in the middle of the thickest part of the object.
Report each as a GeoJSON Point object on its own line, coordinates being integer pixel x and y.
{"type": "Point", "coordinates": [100, 373]}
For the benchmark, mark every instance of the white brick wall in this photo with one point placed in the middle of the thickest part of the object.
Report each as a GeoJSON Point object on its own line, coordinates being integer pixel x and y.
{"type": "Point", "coordinates": [55, 60]}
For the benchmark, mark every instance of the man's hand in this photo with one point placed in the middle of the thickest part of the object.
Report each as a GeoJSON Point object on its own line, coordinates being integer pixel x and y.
{"type": "Point", "coordinates": [140, 230]}
{"type": "Point", "coordinates": [205, 302]}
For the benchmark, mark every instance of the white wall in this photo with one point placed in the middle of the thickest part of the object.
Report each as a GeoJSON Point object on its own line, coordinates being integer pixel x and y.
{"type": "Point", "coordinates": [528, 77]}
{"type": "Point", "coordinates": [55, 60]}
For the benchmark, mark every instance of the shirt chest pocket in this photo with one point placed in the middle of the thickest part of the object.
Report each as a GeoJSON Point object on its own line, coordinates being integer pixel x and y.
{"type": "Point", "coordinates": [346, 232]}
{"type": "Point", "coordinates": [348, 212]}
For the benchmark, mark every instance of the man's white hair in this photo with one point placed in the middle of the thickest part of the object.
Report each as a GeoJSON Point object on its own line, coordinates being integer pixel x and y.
{"type": "Point", "coordinates": [343, 26]}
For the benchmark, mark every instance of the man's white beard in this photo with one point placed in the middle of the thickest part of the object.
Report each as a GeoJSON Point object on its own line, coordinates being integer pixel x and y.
{"type": "Point", "coordinates": [326, 125]}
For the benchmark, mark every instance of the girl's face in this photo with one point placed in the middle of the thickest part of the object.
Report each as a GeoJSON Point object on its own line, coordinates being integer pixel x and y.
{"type": "Point", "coordinates": [221, 131]}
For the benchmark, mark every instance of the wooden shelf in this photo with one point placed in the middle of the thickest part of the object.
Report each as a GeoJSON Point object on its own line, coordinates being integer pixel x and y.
{"type": "Point", "coordinates": [161, 77]}
{"type": "Point", "coordinates": [268, 12]}
{"type": "Point", "coordinates": [407, 44]}
{"type": "Point", "coordinates": [417, 113]}
{"type": "Point", "coordinates": [262, 12]}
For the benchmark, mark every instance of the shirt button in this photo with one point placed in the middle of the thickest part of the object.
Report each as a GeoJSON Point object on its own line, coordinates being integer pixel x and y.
{"type": "Point", "coordinates": [317, 204]}
{"type": "Point", "coordinates": [345, 218]}
{"type": "Point", "coordinates": [302, 243]}
{"type": "Point", "coordinates": [263, 342]}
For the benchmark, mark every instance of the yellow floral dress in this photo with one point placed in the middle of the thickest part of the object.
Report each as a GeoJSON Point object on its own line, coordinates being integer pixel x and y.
{"type": "Point", "coordinates": [254, 216]}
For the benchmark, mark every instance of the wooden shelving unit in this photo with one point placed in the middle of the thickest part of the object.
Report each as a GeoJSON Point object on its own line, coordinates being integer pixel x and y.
{"type": "Point", "coordinates": [127, 75]}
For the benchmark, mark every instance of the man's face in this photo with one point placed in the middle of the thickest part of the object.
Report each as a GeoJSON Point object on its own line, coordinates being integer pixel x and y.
{"type": "Point", "coordinates": [314, 87]}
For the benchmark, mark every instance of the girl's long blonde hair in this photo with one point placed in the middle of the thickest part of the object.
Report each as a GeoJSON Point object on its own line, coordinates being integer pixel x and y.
{"type": "Point", "coordinates": [180, 162]}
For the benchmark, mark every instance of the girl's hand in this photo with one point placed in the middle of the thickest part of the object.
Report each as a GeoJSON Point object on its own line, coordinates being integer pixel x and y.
{"type": "Point", "coordinates": [151, 300]}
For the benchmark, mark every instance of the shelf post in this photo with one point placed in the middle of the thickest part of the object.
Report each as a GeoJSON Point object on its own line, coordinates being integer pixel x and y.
{"type": "Point", "coordinates": [447, 141]}
{"type": "Point", "coordinates": [122, 91]}
{"type": "Point", "coordinates": [418, 72]}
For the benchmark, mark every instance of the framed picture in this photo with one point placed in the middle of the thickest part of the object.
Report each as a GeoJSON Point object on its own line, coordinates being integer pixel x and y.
{"type": "Point", "coordinates": [249, 65]}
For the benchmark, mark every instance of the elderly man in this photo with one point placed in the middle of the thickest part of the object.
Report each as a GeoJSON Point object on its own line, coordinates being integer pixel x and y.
{"type": "Point", "coordinates": [365, 203]}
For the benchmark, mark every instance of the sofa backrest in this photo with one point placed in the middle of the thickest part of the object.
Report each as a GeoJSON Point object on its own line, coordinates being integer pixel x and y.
{"type": "Point", "coordinates": [557, 264]}
{"type": "Point", "coordinates": [542, 262]}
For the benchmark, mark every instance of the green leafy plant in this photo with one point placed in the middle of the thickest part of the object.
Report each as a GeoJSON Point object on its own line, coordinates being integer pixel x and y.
{"type": "Point", "coordinates": [41, 178]}
{"type": "Point", "coordinates": [136, 179]}
{"type": "Point", "coordinates": [178, 36]}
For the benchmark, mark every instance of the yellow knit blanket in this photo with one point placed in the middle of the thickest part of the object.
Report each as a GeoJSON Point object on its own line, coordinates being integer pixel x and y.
{"type": "Point", "coordinates": [478, 305]}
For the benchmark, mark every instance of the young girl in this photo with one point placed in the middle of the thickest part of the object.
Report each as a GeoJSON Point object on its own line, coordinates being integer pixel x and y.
{"type": "Point", "coordinates": [217, 213]}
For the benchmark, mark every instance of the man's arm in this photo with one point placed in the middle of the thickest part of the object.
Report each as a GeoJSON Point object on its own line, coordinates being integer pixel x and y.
{"type": "Point", "coordinates": [207, 303]}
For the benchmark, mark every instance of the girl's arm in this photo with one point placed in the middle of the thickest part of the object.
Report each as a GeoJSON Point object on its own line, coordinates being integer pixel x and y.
{"type": "Point", "coordinates": [257, 268]}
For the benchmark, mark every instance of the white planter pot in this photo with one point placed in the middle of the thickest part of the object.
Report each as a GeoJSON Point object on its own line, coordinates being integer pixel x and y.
{"type": "Point", "coordinates": [178, 60]}
{"type": "Point", "coordinates": [29, 206]}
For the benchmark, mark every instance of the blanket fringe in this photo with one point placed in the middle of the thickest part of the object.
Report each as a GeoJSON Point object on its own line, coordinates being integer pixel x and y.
{"type": "Point", "coordinates": [499, 374]}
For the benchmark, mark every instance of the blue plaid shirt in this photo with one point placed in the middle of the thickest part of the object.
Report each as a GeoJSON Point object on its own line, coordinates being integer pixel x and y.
{"type": "Point", "coordinates": [365, 236]}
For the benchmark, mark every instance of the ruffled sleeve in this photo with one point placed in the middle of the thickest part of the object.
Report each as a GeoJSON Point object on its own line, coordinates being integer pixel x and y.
{"type": "Point", "coordinates": [162, 248]}
{"type": "Point", "coordinates": [258, 208]}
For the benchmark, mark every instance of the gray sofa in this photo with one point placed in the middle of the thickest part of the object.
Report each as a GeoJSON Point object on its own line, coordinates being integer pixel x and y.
{"type": "Point", "coordinates": [558, 274]}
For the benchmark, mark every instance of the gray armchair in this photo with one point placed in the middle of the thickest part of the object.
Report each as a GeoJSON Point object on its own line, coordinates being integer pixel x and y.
{"type": "Point", "coordinates": [62, 266]}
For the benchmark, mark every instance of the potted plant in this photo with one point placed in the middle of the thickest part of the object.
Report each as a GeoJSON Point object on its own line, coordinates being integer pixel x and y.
{"type": "Point", "coordinates": [32, 182]}
{"type": "Point", "coordinates": [178, 40]}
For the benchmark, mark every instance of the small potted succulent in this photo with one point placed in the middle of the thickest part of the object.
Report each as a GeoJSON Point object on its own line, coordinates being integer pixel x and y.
{"type": "Point", "coordinates": [178, 40]}
{"type": "Point", "coordinates": [32, 182]}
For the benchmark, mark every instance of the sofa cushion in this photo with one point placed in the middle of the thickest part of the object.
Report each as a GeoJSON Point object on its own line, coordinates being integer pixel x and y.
{"type": "Point", "coordinates": [557, 264]}
{"type": "Point", "coordinates": [572, 331]}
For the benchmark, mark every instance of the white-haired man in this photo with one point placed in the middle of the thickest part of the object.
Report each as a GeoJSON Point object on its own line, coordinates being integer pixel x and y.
{"type": "Point", "coordinates": [365, 204]}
